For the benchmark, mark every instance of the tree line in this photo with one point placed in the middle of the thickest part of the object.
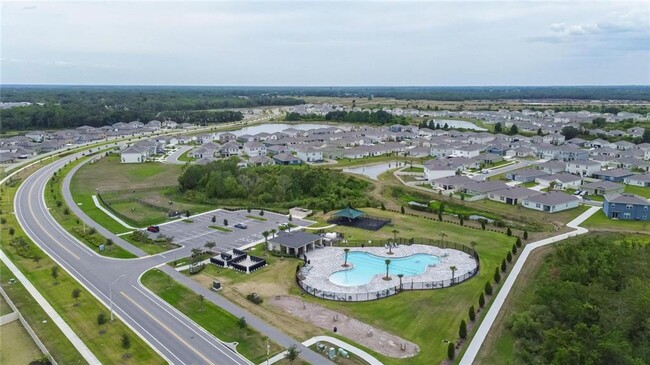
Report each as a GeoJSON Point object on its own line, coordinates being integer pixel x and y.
{"type": "Point", "coordinates": [70, 107]}
{"type": "Point", "coordinates": [590, 306]}
{"type": "Point", "coordinates": [379, 117]}
{"type": "Point", "coordinates": [222, 182]}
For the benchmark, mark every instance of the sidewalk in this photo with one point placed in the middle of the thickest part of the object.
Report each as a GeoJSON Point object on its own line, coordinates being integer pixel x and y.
{"type": "Point", "coordinates": [67, 331]}
{"type": "Point", "coordinates": [483, 330]}
{"type": "Point", "coordinates": [108, 213]}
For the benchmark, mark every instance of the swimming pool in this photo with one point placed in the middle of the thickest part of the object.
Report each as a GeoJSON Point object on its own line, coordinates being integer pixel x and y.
{"type": "Point", "coordinates": [367, 265]}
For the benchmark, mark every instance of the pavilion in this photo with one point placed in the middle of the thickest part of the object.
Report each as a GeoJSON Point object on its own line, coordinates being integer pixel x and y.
{"type": "Point", "coordinates": [358, 219]}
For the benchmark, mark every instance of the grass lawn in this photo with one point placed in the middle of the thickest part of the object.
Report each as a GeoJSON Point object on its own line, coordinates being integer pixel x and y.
{"type": "Point", "coordinates": [17, 346]}
{"type": "Point", "coordinates": [135, 207]}
{"type": "Point", "coordinates": [413, 169]}
{"type": "Point", "coordinates": [529, 184]}
{"type": "Point", "coordinates": [600, 222]}
{"type": "Point", "coordinates": [222, 229]}
{"type": "Point", "coordinates": [188, 221]}
{"type": "Point", "coordinates": [344, 162]}
{"type": "Point", "coordinates": [256, 218]}
{"type": "Point", "coordinates": [62, 213]}
{"type": "Point", "coordinates": [638, 190]}
{"type": "Point", "coordinates": [212, 318]}
{"type": "Point", "coordinates": [4, 307]}
{"type": "Point", "coordinates": [185, 156]}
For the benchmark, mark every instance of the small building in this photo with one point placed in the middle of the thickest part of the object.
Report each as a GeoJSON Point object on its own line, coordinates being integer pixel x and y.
{"type": "Point", "coordinates": [616, 175]}
{"type": "Point", "coordinates": [512, 195]}
{"type": "Point", "coordinates": [562, 181]}
{"type": "Point", "coordinates": [451, 183]}
{"type": "Point", "coordinates": [480, 189]}
{"type": "Point", "coordinates": [286, 159]}
{"type": "Point", "coordinates": [551, 202]}
{"type": "Point", "coordinates": [627, 207]}
{"type": "Point", "coordinates": [603, 188]}
{"type": "Point", "coordinates": [295, 243]}
{"type": "Point", "coordinates": [642, 180]}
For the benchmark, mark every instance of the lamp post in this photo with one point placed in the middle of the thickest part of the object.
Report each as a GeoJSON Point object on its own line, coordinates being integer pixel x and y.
{"type": "Point", "coordinates": [110, 293]}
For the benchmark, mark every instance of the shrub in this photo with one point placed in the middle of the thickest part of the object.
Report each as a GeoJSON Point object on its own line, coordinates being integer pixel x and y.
{"type": "Point", "coordinates": [488, 288]}
{"type": "Point", "coordinates": [481, 300]}
{"type": "Point", "coordinates": [101, 318]}
{"type": "Point", "coordinates": [451, 351]}
{"type": "Point", "coordinates": [497, 276]}
{"type": "Point", "coordinates": [383, 207]}
{"type": "Point", "coordinates": [253, 297]}
{"type": "Point", "coordinates": [126, 341]}
{"type": "Point", "coordinates": [462, 331]}
{"type": "Point", "coordinates": [225, 222]}
{"type": "Point", "coordinates": [59, 203]}
{"type": "Point", "coordinates": [402, 209]}
{"type": "Point", "coordinates": [483, 225]}
{"type": "Point", "coordinates": [503, 264]}
{"type": "Point", "coordinates": [66, 211]}
{"type": "Point", "coordinates": [472, 314]}
{"type": "Point", "coordinates": [509, 257]}
{"type": "Point", "coordinates": [525, 235]}
{"type": "Point", "coordinates": [518, 243]}
{"type": "Point", "coordinates": [514, 249]}
{"type": "Point", "coordinates": [509, 232]}
{"type": "Point", "coordinates": [242, 322]}
{"type": "Point", "coordinates": [12, 231]}
{"type": "Point", "coordinates": [92, 231]}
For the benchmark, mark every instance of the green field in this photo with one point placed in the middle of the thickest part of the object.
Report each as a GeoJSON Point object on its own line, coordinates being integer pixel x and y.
{"type": "Point", "coordinates": [638, 190]}
{"type": "Point", "coordinates": [413, 169]}
{"type": "Point", "coordinates": [212, 318]}
{"type": "Point", "coordinates": [153, 192]}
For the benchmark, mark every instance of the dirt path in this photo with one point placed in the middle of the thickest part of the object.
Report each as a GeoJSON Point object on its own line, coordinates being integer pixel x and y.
{"type": "Point", "coordinates": [380, 341]}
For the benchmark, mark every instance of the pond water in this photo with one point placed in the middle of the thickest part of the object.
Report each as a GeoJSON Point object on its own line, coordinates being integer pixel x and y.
{"type": "Point", "coordinates": [374, 170]}
{"type": "Point", "coordinates": [277, 127]}
{"type": "Point", "coordinates": [367, 265]}
{"type": "Point", "coordinates": [459, 124]}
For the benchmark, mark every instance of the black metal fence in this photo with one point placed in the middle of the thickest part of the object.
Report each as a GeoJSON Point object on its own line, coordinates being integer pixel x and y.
{"type": "Point", "coordinates": [400, 284]}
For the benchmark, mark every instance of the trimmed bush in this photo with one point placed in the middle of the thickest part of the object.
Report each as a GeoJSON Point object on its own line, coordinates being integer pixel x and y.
{"type": "Point", "coordinates": [518, 242]}
{"type": "Point", "coordinates": [509, 257]}
{"type": "Point", "coordinates": [451, 351]}
{"type": "Point", "coordinates": [462, 331]}
{"type": "Point", "coordinates": [481, 300]}
{"type": "Point", "coordinates": [503, 265]}
{"type": "Point", "coordinates": [472, 314]}
{"type": "Point", "coordinates": [525, 235]}
{"type": "Point", "coordinates": [488, 288]}
{"type": "Point", "coordinates": [497, 276]}
{"type": "Point", "coordinates": [509, 232]}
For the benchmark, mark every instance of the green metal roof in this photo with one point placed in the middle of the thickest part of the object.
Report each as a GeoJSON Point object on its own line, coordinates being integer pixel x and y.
{"type": "Point", "coordinates": [349, 213]}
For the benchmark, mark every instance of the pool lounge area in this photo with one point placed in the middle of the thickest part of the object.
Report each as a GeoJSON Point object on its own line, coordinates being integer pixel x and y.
{"type": "Point", "coordinates": [422, 266]}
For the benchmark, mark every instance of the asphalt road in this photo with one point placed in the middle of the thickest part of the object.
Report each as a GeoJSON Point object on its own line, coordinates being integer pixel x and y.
{"type": "Point", "coordinates": [175, 337]}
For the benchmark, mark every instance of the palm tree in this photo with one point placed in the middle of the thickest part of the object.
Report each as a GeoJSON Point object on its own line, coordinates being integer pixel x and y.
{"type": "Point", "coordinates": [453, 272]}
{"type": "Point", "coordinates": [387, 265]}
{"type": "Point", "coordinates": [400, 276]}
{"type": "Point", "coordinates": [273, 232]}
{"type": "Point", "coordinates": [442, 237]}
{"type": "Point", "coordinates": [395, 232]}
{"type": "Point", "coordinates": [266, 236]}
{"type": "Point", "coordinates": [345, 263]}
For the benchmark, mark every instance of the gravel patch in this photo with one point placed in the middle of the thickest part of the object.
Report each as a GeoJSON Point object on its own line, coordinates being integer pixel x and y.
{"type": "Point", "coordinates": [357, 331]}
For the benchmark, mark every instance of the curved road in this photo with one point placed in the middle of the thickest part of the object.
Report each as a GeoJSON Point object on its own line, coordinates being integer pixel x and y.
{"type": "Point", "coordinates": [174, 336]}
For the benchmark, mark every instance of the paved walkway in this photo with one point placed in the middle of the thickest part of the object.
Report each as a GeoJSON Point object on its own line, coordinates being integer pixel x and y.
{"type": "Point", "coordinates": [334, 341]}
{"type": "Point", "coordinates": [490, 317]}
{"type": "Point", "coordinates": [108, 213]}
{"type": "Point", "coordinates": [63, 326]}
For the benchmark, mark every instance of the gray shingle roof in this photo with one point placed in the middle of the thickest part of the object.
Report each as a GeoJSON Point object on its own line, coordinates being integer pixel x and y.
{"type": "Point", "coordinates": [626, 199]}
{"type": "Point", "coordinates": [552, 198]}
{"type": "Point", "coordinates": [294, 239]}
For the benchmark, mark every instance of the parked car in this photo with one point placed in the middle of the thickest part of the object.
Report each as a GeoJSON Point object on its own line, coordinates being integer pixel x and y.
{"type": "Point", "coordinates": [241, 226]}
{"type": "Point", "coordinates": [153, 229]}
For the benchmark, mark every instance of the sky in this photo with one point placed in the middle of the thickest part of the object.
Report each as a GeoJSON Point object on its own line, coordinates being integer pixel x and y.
{"type": "Point", "coordinates": [325, 43]}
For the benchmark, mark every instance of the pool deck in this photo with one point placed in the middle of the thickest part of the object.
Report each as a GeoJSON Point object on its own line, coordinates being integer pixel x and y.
{"type": "Point", "coordinates": [327, 260]}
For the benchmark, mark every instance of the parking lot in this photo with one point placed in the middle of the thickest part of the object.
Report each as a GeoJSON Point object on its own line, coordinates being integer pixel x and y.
{"type": "Point", "coordinates": [195, 231]}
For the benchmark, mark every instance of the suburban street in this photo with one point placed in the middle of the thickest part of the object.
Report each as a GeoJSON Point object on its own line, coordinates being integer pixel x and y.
{"type": "Point", "coordinates": [178, 339]}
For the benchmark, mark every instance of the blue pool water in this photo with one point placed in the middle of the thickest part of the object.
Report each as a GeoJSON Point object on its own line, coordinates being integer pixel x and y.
{"type": "Point", "coordinates": [367, 265]}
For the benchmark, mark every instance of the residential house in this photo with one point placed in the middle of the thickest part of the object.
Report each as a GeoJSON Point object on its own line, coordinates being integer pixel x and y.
{"type": "Point", "coordinates": [561, 181]}
{"type": "Point", "coordinates": [254, 149]}
{"type": "Point", "coordinates": [525, 175]}
{"type": "Point", "coordinates": [642, 180]}
{"type": "Point", "coordinates": [626, 207]}
{"type": "Point", "coordinates": [260, 161]}
{"type": "Point", "coordinates": [583, 168]}
{"type": "Point", "coordinates": [468, 151]}
{"type": "Point", "coordinates": [552, 166]}
{"type": "Point", "coordinates": [603, 188]}
{"type": "Point", "coordinates": [309, 154]}
{"type": "Point", "coordinates": [512, 195]}
{"type": "Point", "coordinates": [227, 137]}
{"type": "Point", "coordinates": [435, 169]}
{"type": "Point", "coordinates": [616, 175]}
{"type": "Point", "coordinates": [36, 136]}
{"type": "Point", "coordinates": [230, 148]}
{"type": "Point", "coordinates": [480, 189]}
{"type": "Point", "coordinates": [451, 183]}
{"type": "Point", "coordinates": [286, 159]}
{"type": "Point", "coordinates": [551, 202]}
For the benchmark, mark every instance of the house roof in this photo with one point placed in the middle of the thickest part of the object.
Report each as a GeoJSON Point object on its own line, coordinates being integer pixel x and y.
{"type": "Point", "coordinates": [294, 239]}
{"type": "Point", "coordinates": [516, 192]}
{"type": "Point", "coordinates": [285, 157]}
{"type": "Point", "coordinates": [604, 185]}
{"type": "Point", "coordinates": [626, 199]}
{"type": "Point", "coordinates": [350, 213]}
{"type": "Point", "coordinates": [552, 198]}
{"type": "Point", "coordinates": [614, 173]}
{"type": "Point", "coordinates": [486, 186]}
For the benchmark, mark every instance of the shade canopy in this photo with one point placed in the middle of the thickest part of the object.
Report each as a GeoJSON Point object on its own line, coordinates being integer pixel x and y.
{"type": "Point", "coordinates": [349, 213]}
